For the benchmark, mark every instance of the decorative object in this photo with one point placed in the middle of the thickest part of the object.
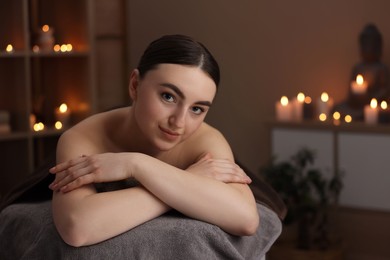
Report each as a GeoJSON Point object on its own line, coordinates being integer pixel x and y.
{"type": "Point", "coordinates": [308, 196]}
{"type": "Point", "coordinates": [369, 78]}
{"type": "Point", "coordinates": [283, 109]}
{"type": "Point", "coordinates": [45, 38]}
{"type": "Point", "coordinates": [371, 112]}
{"type": "Point", "coordinates": [384, 113]}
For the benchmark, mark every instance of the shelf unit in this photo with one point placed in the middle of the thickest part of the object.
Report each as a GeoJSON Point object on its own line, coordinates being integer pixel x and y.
{"type": "Point", "coordinates": [37, 82]}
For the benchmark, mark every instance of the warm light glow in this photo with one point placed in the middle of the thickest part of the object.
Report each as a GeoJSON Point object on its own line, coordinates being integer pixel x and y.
{"type": "Point", "coordinates": [35, 48]}
{"type": "Point", "coordinates": [307, 100]}
{"type": "Point", "coordinates": [373, 103]}
{"type": "Point", "coordinates": [384, 105]}
{"type": "Point", "coordinates": [301, 97]}
{"type": "Point", "coordinates": [38, 127]}
{"type": "Point", "coordinates": [63, 108]}
{"type": "Point", "coordinates": [57, 48]}
{"type": "Point", "coordinates": [58, 125]}
{"type": "Point", "coordinates": [348, 118]}
{"type": "Point", "coordinates": [336, 115]}
{"type": "Point", "coordinates": [324, 97]}
{"type": "Point", "coordinates": [284, 101]}
{"type": "Point", "coordinates": [322, 117]}
{"type": "Point", "coordinates": [69, 47]}
{"type": "Point", "coordinates": [9, 48]}
{"type": "Point", "coordinates": [45, 28]}
{"type": "Point", "coordinates": [64, 48]}
{"type": "Point", "coordinates": [359, 79]}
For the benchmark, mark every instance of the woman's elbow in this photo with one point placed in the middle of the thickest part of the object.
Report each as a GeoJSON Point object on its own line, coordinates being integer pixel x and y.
{"type": "Point", "coordinates": [250, 225]}
{"type": "Point", "coordinates": [71, 232]}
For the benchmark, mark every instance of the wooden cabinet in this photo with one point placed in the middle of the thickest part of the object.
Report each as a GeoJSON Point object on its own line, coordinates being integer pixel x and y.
{"type": "Point", "coordinates": [36, 82]}
{"type": "Point", "coordinates": [360, 151]}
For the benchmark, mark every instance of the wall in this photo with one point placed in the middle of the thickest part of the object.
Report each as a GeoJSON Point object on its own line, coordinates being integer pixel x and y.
{"type": "Point", "coordinates": [266, 49]}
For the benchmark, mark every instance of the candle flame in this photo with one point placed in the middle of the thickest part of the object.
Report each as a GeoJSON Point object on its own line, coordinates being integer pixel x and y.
{"type": "Point", "coordinates": [324, 97]}
{"type": "Point", "coordinates": [58, 125]}
{"type": "Point", "coordinates": [373, 103]}
{"type": "Point", "coordinates": [348, 119]}
{"type": "Point", "coordinates": [284, 101]}
{"type": "Point", "coordinates": [9, 48]}
{"type": "Point", "coordinates": [301, 97]}
{"type": "Point", "coordinates": [63, 108]}
{"type": "Point", "coordinates": [359, 79]}
{"type": "Point", "coordinates": [322, 117]}
{"type": "Point", "coordinates": [38, 127]}
{"type": "Point", "coordinates": [57, 48]}
{"type": "Point", "coordinates": [307, 100]}
{"type": "Point", "coordinates": [336, 115]}
{"type": "Point", "coordinates": [45, 28]}
{"type": "Point", "coordinates": [384, 105]}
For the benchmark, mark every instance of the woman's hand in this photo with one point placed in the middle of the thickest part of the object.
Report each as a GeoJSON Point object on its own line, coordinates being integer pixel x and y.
{"type": "Point", "coordinates": [219, 169]}
{"type": "Point", "coordinates": [84, 170]}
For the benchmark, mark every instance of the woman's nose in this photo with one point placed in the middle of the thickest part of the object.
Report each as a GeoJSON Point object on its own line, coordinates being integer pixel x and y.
{"type": "Point", "coordinates": [177, 119]}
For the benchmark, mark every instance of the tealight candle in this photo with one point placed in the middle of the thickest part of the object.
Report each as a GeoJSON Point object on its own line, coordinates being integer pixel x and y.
{"type": "Point", "coordinates": [283, 109]}
{"type": "Point", "coordinates": [359, 86]}
{"type": "Point", "coordinates": [9, 48]}
{"type": "Point", "coordinates": [371, 112]}
{"type": "Point", "coordinates": [62, 114]}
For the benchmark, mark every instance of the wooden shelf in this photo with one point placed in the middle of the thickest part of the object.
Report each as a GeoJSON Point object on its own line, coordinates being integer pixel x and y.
{"type": "Point", "coordinates": [38, 82]}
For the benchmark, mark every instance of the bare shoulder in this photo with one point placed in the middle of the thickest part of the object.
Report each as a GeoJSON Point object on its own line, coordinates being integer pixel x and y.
{"type": "Point", "coordinates": [208, 140]}
{"type": "Point", "coordinates": [88, 136]}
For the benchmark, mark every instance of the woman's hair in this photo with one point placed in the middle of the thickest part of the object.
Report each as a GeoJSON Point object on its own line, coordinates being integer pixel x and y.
{"type": "Point", "coordinates": [179, 49]}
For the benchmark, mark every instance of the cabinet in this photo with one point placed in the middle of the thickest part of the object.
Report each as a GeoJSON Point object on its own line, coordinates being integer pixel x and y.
{"type": "Point", "coordinates": [37, 81]}
{"type": "Point", "coordinates": [360, 151]}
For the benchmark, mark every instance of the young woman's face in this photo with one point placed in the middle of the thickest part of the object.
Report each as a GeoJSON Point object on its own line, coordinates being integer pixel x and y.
{"type": "Point", "coordinates": [171, 102]}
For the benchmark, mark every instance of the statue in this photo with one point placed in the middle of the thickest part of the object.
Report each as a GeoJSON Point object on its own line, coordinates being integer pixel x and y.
{"type": "Point", "coordinates": [373, 72]}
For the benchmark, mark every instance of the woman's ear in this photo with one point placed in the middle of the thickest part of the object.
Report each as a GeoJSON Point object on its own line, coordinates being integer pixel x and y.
{"type": "Point", "coordinates": [133, 85]}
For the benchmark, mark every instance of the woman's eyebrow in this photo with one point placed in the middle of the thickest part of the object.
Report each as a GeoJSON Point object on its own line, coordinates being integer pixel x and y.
{"type": "Point", "coordinates": [181, 94]}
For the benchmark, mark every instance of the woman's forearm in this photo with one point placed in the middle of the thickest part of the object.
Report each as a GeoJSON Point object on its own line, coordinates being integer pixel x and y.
{"type": "Point", "coordinates": [230, 206]}
{"type": "Point", "coordinates": [83, 217]}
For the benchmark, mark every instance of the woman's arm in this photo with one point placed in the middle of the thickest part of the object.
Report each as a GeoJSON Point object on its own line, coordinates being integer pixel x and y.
{"type": "Point", "coordinates": [230, 206]}
{"type": "Point", "coordinates": [85, 217]}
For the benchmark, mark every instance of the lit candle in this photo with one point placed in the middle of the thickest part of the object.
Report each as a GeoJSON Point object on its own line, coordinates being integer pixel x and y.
{"type": "Point", "coordinates": [324, 105]}
{"type": "Point", "coordinates": [371, 112]}
{"type": "Point", "coordinates": [9, 48]}
{"type": "Point", "coordinates": [336, 118]}
{"type": "Point", "coordinates": [283, 109]}
{"type": "Point", "coordinates": [384, 113]}
{"type": "Point", "coordinates": [308, 108]}
{"type": "Point", "coordinates": [62, 114]}
{"type": "Point", "coordinates": [39, 127]}
{"type": "Point", "coordinates": [45, 38]}
{"type": "Point", "coordinates": [297, 107]}
{"type": "Point", "coordinates": [359, 86]}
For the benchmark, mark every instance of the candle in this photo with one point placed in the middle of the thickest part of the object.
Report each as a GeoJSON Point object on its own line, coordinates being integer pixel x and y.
{"type": "Point", "coordinates": [336, 118]}
{"type": "Point", "coordinates": [283, 109]}
{"type": "Point", "coordinates": [9, 48]}
{"type": "Point", "coordinates": [45, 38]}
{"type": "Point", "coordinates": [384, 113]}
{"type": "Point", "coordinates": [359, 86]}
{"type": "Point", "coordinates": [62, 114]}
{"type": "Point", "coordinates": [297, 107]}
{"type": "Point", "coordinates": [324, 105]}
{"type": "Point", "coordinates": [371, 112]}
{"type": "Point", "coordinates": [308, 108]}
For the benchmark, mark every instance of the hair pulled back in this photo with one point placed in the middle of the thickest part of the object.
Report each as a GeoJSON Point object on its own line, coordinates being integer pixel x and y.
{"type": "Point", "coordinates": [179, 49]}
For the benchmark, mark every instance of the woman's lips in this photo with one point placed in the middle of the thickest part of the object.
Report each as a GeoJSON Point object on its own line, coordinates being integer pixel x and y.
{"type": "Point", "coordinates": [169, 134]}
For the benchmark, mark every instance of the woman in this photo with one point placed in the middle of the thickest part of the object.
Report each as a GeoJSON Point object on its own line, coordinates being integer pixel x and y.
{"type": "Point", "coordinates": [163, 143]}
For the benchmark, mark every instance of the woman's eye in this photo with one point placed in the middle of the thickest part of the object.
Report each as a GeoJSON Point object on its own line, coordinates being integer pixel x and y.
{"type": "Point", "coordinates": [197, 110]}
{"type": "Point", "coordinates": [168, 97]}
